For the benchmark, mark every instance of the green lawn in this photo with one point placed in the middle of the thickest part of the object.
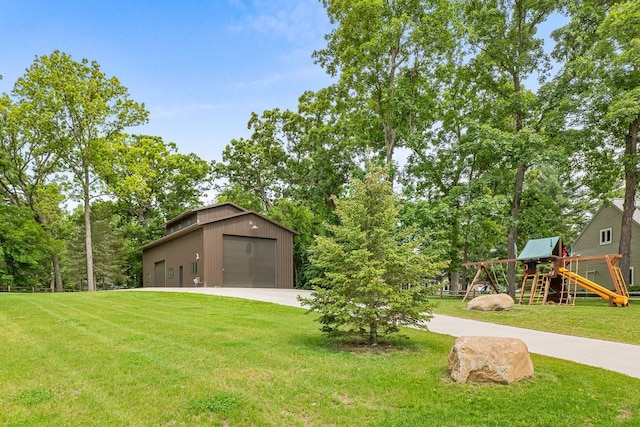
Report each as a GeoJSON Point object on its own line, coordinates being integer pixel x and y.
{"type": "Point", "coordinates": [590, 317]}
{"type": "Point", "coordinates": [163, 359]}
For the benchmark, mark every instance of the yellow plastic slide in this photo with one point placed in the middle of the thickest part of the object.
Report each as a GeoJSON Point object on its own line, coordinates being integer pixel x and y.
{"type": "Point", "coordinates": [601, 291]}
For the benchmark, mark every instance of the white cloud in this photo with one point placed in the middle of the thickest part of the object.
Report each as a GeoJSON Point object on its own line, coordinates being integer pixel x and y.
{"type": "Point", "coordinates": [297, 22]}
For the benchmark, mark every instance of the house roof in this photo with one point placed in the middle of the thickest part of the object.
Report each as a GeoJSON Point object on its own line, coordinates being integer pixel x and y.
{"type": "Point", "coordinates": [619, 204]}
{"type": "Point", "coordinates": [539, 248]}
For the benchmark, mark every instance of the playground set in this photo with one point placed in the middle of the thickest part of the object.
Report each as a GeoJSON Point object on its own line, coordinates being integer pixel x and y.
{"type": "Point", "coordinates": [550, 275]}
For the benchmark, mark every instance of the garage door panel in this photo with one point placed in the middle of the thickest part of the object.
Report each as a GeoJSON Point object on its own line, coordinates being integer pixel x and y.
{"type": "Point", "coordinates": [249, 262]}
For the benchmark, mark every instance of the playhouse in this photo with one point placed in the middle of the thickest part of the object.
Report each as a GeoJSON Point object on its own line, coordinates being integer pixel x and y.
{"type": "Point", "coordinates": [551, 274]}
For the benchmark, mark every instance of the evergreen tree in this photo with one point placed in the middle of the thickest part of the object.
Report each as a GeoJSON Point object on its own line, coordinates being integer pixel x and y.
{"type": "Point", "coordinates": [374, 272]}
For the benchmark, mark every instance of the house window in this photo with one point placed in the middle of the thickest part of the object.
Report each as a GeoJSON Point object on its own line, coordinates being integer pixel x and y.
{"type": "Point", "coordinates": [170, 273]}
{"type": "Point", "coordinates": [591, 275]}
{"type": "Point", "coordinates": [605, 236]}
{"type": "Point", "coordinates": [194, 268]}
{"type": "Point", "coordinates": [148, 277]}
{"type": "Point", "coordinates": [631, 276]}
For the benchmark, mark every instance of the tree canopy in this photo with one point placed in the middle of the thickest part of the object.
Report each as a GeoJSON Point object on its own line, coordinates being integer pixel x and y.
{"type": "Point", "coordinates": [492, 134]}
{"type": "Point", "coordinates": [62, 137]}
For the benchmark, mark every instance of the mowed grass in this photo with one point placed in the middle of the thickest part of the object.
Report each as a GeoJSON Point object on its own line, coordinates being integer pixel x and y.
{"type": "Point", "coordinates": [164, 359]}
{"type": "Point", "coordinates": [590, 318]}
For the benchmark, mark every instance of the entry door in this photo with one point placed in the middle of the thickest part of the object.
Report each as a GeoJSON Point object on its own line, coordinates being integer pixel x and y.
{"type": "Point", "coordinates": [159, 273]}
{"type": "Point", "coordinates": [181, 275]}
{"type": "Point", "coordinates": [249, 262]}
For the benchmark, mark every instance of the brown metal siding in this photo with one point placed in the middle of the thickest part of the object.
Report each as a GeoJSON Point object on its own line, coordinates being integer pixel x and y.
{"type": "Point", "coordinates": [180, 251]}
{"type": "Point", "coordinates": [239, 226]}
{"type": "Point", "coordinates": [179, 225]}
{"type": "Point", "coordinates": [217, 212]}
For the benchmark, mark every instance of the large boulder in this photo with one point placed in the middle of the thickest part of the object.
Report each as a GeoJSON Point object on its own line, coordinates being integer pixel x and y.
{"type": "Point", "coordinates": [489, 360]}
{"type": "Point", "coordinates": [493, 302]}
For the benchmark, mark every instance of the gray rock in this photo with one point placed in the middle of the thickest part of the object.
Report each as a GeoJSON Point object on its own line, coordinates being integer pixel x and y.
{"type": "Point", "coordinates": [493, 302]}
{"type": "Point", "coordinates": [489, 360]}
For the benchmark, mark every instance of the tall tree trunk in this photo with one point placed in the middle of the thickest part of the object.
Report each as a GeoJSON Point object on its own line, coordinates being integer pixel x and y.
{"type": "Point", "coordinates": [91, 285]}
{"type": "Point", "coordinates": [513, 229]}
{"type": "Point", "coordinates": [373, 333]}
{"type": "Point", "coordinates": [388, 123]}
{"type": "Point", "coordinates": [56, 283]}
{"type": "Point", "coordinates": [454, 254]}
{"type": "Point", "coordinates": [390, 138]}
{"type": "Point", "coordinates": [454, 285]}
{"type": "Point", "coordinates": [520, 172]}
{"type": "Point", "coordinates": [631, 181]}
{"type": "Point", "coordinates": [57, 275]}
{"type": "Point", "coordinates": [465, 258]}
{"type": "Point", "coordinates": [517, 193]}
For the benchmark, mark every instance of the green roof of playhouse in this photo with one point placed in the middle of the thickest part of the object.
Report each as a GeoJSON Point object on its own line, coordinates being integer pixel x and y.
{"type": "Point", "coordinates": [540, 248]}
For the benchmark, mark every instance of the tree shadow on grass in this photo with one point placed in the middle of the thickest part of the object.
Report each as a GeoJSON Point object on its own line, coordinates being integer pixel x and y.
{"type": "Point", "coordinates": [356, 345]}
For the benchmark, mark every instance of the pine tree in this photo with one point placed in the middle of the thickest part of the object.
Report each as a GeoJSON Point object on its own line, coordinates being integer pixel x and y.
{"type": "Point", "coordinates": [374, 272]}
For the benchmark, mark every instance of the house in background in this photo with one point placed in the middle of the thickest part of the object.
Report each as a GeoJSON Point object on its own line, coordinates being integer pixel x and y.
{"type": "Point", "coordinates": [602, 237]}
{"type": "Point", "coordinates": [220, 245]}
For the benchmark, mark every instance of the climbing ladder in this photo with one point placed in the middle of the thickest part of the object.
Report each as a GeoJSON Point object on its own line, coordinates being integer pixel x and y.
{"type": "Point", "coordinates": [616, 275]}
{"type": "Point", "coordinates": [526, 286]}
{"type": "Point", "coordinates": [540, 290]}
{"type": "Point", "coordinates": [620, 285]}
{"type": "Point", "coordinates": [569, 289]}
{"type": "Point", "coordinates": [567, 293]}
{"type": "Point", "coordinates": [537, 286]}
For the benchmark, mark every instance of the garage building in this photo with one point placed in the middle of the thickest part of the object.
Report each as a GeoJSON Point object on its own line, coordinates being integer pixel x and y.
{"type": "Point", "coordinates": [220, 245]}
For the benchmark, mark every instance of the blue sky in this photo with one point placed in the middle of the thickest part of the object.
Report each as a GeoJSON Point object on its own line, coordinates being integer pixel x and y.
{"type": "Point", "coordinates": [200, 67]}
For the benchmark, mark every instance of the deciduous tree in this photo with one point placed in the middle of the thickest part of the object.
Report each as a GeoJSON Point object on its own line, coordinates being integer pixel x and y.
{"type": "Point", "coordinates": [28, 163]}
{"type": "Point", "coordinates": [602, 73]}
{"type": "Point", "coordinates": [385, 55]}
{"type": "Point", "coordinates": [25, 248]}
{"type": "Point", "coordinates": [79, 110]}
{"type": "Point", "coordinates": [151, 179]}
{"type": "Point", "coordinates": [506, 51]}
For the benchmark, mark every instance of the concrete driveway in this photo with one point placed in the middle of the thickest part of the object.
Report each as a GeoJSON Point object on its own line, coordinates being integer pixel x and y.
{"type": "Point", "coordinates": [617, 357]}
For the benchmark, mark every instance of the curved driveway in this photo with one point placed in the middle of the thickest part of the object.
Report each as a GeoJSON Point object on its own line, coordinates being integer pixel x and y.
{"type": "Point", "coordinates": [618, 357]}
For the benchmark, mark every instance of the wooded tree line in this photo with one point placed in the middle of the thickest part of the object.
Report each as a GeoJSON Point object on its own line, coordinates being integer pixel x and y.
{"type": "Point", "coordinates": [494, 136]}
{"type": "Point", "coordinates": [61, 138]}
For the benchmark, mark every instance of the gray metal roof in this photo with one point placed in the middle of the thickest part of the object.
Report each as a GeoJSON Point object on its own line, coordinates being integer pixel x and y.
{"type": "Point", "coordinates": [539, 248]}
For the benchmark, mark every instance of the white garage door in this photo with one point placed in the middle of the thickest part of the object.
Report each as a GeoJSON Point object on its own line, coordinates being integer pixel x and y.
{"type": "Point", "coordinates": [249, 262]}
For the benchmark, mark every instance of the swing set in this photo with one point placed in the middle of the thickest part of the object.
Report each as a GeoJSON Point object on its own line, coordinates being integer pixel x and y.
{"type": "Point", "coordinates": [486, 276]}
{"type": "Point", "coordinates": [550, 275]}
